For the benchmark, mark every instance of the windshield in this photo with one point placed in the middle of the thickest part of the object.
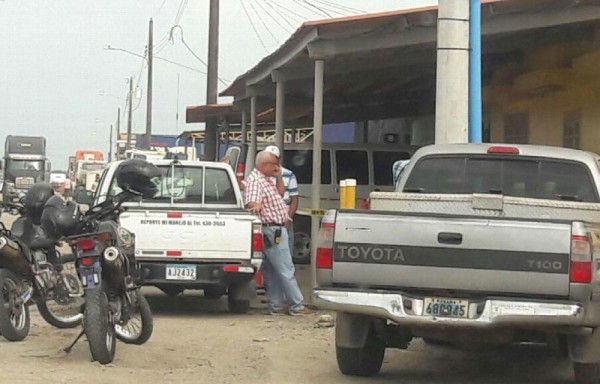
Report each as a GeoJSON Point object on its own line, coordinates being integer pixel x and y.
{"type": "Point", "coordinates": [25, 165]}
{"type": "Point", "coordinates": [186, 185]}
{"type": "Point", "coordinates": [92, 167]}
{"type": "Point", "coordinates": [522, 177]}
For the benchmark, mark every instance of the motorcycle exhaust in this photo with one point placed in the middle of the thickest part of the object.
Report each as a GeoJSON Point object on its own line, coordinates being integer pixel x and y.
{"type": "Point", "coordinates": [12, 257]}
{"type": "Point", "coordinates": [114, 264]}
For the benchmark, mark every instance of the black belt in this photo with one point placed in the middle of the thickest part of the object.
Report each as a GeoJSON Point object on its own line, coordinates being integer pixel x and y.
{"type": "Point", "coordinates": [272, 225]}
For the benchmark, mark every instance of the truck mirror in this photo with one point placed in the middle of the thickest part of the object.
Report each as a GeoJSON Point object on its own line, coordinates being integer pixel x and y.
{"type": "Point", "coordinates": [84, 197]}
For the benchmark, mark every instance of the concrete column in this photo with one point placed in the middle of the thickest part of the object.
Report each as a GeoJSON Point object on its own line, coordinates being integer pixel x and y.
{"type": "Point", "coordinates": [252, 148]}
{"type": "Point", "coordinates": [452, 90]}
{"type": "Point", "coordinates": [279, 116]}
{"type": "Point", "coordinates": [244, 127]}
{"type": "Point", "coordinates": [317, 146]}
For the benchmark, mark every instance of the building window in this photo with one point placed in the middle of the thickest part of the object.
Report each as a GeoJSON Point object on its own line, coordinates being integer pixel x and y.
{"type": "Point", "coordinates": [572, 129]}
{"type": "Point", "coordinates": [516, 128]}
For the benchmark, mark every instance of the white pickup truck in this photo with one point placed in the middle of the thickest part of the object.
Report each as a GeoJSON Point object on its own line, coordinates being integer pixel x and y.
{"type": "Point", "coordinates": [480, 243]}
{"type": "Point", "coordinates": [194, 233]}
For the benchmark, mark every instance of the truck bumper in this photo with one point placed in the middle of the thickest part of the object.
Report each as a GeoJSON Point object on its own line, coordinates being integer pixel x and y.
{"type": "Point", "coordinates": [207, 275]}
{"type": "Point", "coordinates": [410, 310]}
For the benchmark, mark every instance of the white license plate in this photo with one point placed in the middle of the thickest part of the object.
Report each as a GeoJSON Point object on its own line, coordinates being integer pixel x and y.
{"type": "Point", "coordinates": [180, 272]}
{"type": "Point", "coordinates": [441, 307]}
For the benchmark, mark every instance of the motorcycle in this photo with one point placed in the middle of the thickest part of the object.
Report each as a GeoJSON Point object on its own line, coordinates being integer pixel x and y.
{"type": "Point", "coordinates": [32, 271]}
{"type": "Point", "coordinates": [114, 307]}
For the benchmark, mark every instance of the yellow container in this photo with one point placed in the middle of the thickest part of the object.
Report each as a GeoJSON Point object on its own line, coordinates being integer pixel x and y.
{"type": "Point", "coordinates": [351, 193]}
{"type": "Point", "coordinates": [343, 194]}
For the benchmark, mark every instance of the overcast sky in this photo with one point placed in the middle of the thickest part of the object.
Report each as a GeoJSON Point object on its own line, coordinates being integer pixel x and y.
{"type": "Point", "coordinates": [57, 79]}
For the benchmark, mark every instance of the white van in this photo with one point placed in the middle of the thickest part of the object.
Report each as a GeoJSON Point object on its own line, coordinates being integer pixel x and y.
{"type": "Point", "coordinates": [371, 166]}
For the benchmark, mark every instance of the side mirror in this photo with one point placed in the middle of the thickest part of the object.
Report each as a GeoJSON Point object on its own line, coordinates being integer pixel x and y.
{"type": "Point", "coordinates": [84, 197]}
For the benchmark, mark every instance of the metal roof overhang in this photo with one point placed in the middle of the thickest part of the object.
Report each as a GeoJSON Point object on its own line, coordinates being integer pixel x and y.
{"type": "Point", "coordinates": [383, 65]}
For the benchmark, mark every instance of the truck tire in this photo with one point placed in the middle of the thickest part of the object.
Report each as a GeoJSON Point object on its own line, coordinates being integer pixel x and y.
{"type": "Point", "coordinates": [587, 373]}
{"type": "Point", "coordinates": [238, 306]}
{"type": "Point", "coordinates": [364, 361]}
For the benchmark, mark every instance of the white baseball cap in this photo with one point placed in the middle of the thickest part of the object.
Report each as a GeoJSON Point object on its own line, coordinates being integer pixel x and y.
{"type": "Point", "coordinates": [274, 150]}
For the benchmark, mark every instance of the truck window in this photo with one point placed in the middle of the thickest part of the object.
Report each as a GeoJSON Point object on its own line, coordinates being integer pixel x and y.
{"type": "Point", "coordinates": [382, 166]}
{"type": "Point", "coordinates": [533, 178]}
{"type": "Point", "coordinates": [352, 165]}
{"type": "Point", "coordinates": [299, 161]}
{"type": "Point", "coordinates": [186, 185]}
{"type": "Point", "coordinates": [24, 165]}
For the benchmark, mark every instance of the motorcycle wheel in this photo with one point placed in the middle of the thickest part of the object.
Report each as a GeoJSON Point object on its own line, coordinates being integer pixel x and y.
{"type": "Point", "coordinates": [14, 316]}
{"type": "Point", "coordinates": [63, 311]}
{"type": "Point", "coordinates": [98, 326]}
{"type": "Point", "coordinates": [140, 325]}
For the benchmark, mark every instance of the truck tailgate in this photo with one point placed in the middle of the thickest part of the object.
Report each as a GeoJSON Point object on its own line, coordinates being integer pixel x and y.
{"type": "Point", "coordinates": [190, 235]}
{"type": "Point", "coordinates": [474, 254]}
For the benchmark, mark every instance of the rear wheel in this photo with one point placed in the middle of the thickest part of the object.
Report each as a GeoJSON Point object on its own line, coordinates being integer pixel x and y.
{"type": "Point", "coordinates": [14, 313]}
{"type": "Point", "coordinates": [98, 326]}
{"type": "Point", "coordinates": [587, 373]}
{"type": "Point", "coordinates": [140, 325]}
{"type": "Point", "coordinates": [62, 310]}
{"type": "Point", "coordinates": [365, 361]}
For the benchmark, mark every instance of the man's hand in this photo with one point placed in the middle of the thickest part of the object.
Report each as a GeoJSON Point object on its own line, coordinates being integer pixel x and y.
{"type": "Point", "coordinates": [255, 208]}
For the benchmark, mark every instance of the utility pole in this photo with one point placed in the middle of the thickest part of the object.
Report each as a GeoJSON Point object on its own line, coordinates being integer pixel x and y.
{"type": "Point", "coordinates": [118, 132]}
{"type": "Point", "coordinates": [149, 97]}
{"type": "Point", "coordinates": [128, 145]}
{"type": "Point", "coordinates": [212, 77]}
{"type": "Point", "coordinates": [110, 148]}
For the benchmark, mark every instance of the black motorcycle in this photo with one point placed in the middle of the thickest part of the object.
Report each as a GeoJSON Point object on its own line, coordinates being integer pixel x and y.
{"type": "Point", "coordinates": [32, 271]}
{"type": "Point", "coordinates": [114, 308]}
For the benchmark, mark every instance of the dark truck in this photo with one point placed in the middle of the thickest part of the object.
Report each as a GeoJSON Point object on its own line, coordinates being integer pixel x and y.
{"type": "Point", "coordinates": [25, 163]}
{"type": "Point", "coordinates": [480, 243]}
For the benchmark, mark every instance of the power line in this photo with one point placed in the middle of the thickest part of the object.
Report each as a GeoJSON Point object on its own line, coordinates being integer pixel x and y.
{"type": "Point", "coordinates": [283, 17]}
{"type": "Point", "coordinates": [275, 19]}
{"type": "Point", "coordinates": [263, 22]}
{"type": "Point", "coordinates": [254, 27]}
{"type": "Point", "coordinates": [340, 7]}
{"type": "Point", "coordinates": [289, 12]}
{"type": "Point", "coordinates": [306, 5]}
{"type": "Point", "coordinates": [326, 7]}
{"type": "Point", "coordinates": [223, 81]}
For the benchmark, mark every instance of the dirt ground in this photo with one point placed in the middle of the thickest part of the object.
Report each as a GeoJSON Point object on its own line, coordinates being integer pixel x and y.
{"type": "Point", "coordinates": [197, 340]}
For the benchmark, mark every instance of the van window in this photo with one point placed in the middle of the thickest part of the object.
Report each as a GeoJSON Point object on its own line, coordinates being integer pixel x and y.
{"type": "Point", "coordinates": [233, 153]}
{"type": "Point", "coordinates": [383, 162]}
{"type": "Point", "coordinates": [352, 165]}
{"type": "Point", "coordinates": [299, 161]}
{"type": "Point", "coordinates": [533, 178]}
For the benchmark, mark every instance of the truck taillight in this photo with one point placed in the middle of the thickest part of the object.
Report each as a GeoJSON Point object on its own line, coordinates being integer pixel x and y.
{"type": "Point", "coordinates": [240, 169]}
{"type": "Point", "coordinates": [257, 241]}
{"type": "Point", "coordinates": [580, 270]}
{"type": "Point", "coordinates": [324, 256]}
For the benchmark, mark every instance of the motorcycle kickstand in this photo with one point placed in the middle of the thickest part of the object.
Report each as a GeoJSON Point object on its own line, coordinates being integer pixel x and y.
{"type": "Point", "coordinates": [70, 347]}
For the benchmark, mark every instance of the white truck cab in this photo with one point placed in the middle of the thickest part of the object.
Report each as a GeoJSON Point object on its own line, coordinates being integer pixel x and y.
{"type": "Point", "coordinates": [194, 233]}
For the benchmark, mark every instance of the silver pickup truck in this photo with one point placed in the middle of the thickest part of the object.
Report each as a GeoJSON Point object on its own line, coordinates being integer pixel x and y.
{"type": "Point", "coordinates": [481, 243]}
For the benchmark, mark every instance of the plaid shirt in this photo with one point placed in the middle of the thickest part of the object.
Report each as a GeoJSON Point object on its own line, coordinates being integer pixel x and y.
{"type": "Point", "coordinates": [259, 189]}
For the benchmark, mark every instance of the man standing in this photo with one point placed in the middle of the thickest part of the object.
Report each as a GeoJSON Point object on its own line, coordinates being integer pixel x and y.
{"type": "Point", "coordinates": [264, 198]}
{"type": "Point", "coordinates": [290, 195]}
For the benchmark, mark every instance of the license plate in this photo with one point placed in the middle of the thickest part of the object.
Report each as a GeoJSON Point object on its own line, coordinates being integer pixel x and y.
{"type": "Point", "coordinates": [439, 307]}
{"type": "Point", "coordinates": [180, 272]}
